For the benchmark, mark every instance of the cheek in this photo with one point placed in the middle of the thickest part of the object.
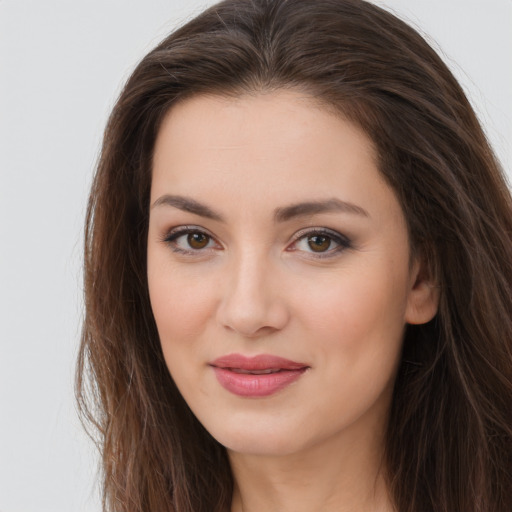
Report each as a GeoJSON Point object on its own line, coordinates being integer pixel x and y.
{"type": "Point", "coordinates": [181, 302]}
{"type": "Point", "coordinates": [357, 327]}
{"type": "Point", "coordinates": [182, 308]}
{"type": "Point", "coordinates": [180, 316]}
{"type": "Point", "coordinates": [353, 306]}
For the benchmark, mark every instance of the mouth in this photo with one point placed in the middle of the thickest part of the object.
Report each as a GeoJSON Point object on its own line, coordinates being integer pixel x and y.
{"type": "Point", "coordinates": [255, 372]}
{"type": "Point", "coordinates": [258, 376]}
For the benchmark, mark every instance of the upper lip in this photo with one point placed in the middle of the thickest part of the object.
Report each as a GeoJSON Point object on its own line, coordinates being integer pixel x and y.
{"type": "Point", "coordinates": [259, 362]}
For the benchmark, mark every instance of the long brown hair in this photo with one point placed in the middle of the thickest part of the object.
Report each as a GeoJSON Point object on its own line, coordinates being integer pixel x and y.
{"type": "Point", "coordinates": [449, 442]}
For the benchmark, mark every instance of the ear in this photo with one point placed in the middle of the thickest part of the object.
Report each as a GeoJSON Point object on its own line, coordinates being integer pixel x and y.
{"type": "Point", "coordinates": [423, 298]}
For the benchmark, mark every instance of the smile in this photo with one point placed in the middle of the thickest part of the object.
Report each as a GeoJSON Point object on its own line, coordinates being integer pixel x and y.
{"type": "Point", "coordinates": [257, 376]}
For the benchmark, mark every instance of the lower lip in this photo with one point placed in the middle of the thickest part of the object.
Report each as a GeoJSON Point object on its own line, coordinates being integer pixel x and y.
{"type": "Point", "coordinates": [251, 385]}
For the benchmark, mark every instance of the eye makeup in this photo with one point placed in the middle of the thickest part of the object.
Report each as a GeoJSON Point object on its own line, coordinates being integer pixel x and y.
{"type": "Point", "coordinates": [190, 240]}
{"type": "Point", "coordinates": [319, 242]}
{"type": "Point", "coordinates": [316, 242]}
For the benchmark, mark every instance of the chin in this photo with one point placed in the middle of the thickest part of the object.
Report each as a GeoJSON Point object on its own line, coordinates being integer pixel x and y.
{"type": "Point", "coordinates": [263, 446]}
{"type": "Point", "coordinates": [261, 439]}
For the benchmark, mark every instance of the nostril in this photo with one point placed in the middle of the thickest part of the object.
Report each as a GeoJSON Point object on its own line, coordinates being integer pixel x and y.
{"type": "Point", "coordinates": [260, 332]}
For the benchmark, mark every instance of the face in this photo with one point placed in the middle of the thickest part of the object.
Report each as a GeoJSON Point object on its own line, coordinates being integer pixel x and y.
{"type": "Point", "coordinates": [279, 271]}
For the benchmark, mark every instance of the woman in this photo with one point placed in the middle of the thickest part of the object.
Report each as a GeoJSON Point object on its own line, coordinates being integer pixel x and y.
{"type": "Point", "coordinates": [298, 273]}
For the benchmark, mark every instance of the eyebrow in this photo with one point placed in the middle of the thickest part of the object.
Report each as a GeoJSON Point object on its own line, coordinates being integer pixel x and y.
{"type": "Point", "coordinates": [188, 205]}
{"type": "Point", "coordinates": [282, 214]}
{"type": "Point", "coordinates": [313, 207]}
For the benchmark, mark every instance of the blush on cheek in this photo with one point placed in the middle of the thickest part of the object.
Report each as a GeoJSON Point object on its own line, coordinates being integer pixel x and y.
{"type": "Point", "coordinates": [180, 312]}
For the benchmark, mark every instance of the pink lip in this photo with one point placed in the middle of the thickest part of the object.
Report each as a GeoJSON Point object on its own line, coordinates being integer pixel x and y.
{"type": "Point", "coordinates": [230, 369]}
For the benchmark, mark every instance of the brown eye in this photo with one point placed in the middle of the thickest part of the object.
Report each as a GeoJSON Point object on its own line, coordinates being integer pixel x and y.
{"type": "Point", "coordinates": [319, 243]}
{"type": "Point", "coordinates": [191, 241]}
{"type": "Point", "coordinates": [197, 240]}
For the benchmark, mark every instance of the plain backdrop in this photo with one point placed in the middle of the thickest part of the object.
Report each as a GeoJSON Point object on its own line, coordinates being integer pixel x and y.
{"type": "Point", "coordinates": [62, 64]}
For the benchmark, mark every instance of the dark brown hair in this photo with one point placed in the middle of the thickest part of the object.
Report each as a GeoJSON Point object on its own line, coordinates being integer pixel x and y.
{"type": "Point", "coordinates": [449, 442]}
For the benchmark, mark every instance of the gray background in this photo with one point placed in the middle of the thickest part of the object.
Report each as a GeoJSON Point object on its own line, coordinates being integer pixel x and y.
{"type": "Point", "coordinates": [62, 64]}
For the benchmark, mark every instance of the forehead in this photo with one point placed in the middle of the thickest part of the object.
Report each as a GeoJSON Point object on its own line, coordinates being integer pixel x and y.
{"type": "Point", "coordinates": [263, 126]}
{"type": "Point", "coordinates": [273, 148]}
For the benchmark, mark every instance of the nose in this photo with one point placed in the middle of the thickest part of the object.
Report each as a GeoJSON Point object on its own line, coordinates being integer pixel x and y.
{"type": "Point", "coordinates": [253, 303]}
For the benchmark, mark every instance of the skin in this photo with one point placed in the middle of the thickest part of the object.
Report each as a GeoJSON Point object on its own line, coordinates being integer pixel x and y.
{"type": "Point", "coordinates": [254, 285]}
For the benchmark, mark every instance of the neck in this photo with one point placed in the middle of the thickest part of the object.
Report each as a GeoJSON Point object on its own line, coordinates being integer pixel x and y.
{"type": "Point", "coordinates": [312, 479]}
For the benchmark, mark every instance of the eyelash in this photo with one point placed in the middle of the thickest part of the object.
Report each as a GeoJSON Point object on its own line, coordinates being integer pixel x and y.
{"type": "Point", "coordinates": [176, 233]}
{"type": "Point", "coordinates": [342, 241]}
